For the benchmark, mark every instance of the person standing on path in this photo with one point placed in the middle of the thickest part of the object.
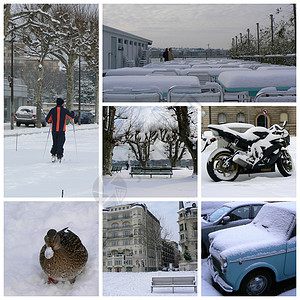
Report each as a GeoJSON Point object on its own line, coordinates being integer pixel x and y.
{"type": "Point", "coordinates": [58, 117]}
{"type": "Point", "coordinates": [166, 55]}
{"type": "Point", "coordinates": [170, 55]}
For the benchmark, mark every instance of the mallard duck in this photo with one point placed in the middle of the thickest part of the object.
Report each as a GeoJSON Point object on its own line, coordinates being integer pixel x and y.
{"type": "Point", "coordinates": [63, 256]}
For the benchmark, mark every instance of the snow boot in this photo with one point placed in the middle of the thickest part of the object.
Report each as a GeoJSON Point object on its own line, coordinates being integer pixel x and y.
{"type": "Point", "coordinates": [53, 158]}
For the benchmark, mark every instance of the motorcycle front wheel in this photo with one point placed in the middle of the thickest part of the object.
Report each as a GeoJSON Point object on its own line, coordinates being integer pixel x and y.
{"type": "Point", "coordinates": [219, 167]}
{"type": "Point", "coordinates": [285, 164]}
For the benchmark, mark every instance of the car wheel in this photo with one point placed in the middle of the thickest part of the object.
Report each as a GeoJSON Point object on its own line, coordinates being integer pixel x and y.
{"type": "Point", "coordinates": [18, 124]}
{"type": "Point", "coordinates": [44, 124]}
{"type": "Point", "coordinates": [257, 283]}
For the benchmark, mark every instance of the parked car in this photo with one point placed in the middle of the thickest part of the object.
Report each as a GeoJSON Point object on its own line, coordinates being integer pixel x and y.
{"type": "Point", "coordinates": [230, 214]}
{"type": "Point", "coordinates": [85, 117]}
{"type": "Point", "coordinates": [251, 258]}
{"type": "Point", "coordinates": [27, 115]}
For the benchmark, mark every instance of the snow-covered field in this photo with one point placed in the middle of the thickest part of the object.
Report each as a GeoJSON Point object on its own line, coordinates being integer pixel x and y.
{"type": "Point", "coordinates": [138, 284]}
{"type": "Point", "coordinates": [121, 185]}
{"type": "Point", "coordinates": [260, 185]}
{"type": "Point", "coordinates": [26, 224]}
{"type": "Point", "coordinates": [28, 171]}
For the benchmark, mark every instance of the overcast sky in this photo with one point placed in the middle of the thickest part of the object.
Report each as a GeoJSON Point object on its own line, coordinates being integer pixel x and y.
{"type": "Point", "coordinates": [191, 25]}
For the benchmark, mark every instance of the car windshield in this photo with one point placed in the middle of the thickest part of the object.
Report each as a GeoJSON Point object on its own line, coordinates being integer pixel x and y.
{"type": "Point", "coordinates": [26, 110]}
{"type": "Point", "coordinates": [214, 216]}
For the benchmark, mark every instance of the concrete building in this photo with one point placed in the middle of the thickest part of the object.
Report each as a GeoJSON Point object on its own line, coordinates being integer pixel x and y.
{"type": "Point", "coordinates": [131, 239]}
{"type": "Point", "coordinates": [169, 254]}
{"type": "Point", "coordinates": [123, 49]}
{"type": "Point", "coordinates": [188, 233]}
{"type": "Point", "coordinates": [264, 116]}
{"type": "Point", "coordinates": [20, 97]}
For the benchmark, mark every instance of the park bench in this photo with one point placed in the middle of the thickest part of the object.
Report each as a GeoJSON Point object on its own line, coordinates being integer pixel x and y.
{"type": "Point", "coordinates": [151, 171]}
{"type": "Point", "coordinates": [179, 281]}
{"type": "Point", "coordinates": [116, 169]}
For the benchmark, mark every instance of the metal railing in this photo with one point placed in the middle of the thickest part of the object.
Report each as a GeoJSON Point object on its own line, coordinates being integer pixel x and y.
{"type": "Point", "coordinates": [203, 93]}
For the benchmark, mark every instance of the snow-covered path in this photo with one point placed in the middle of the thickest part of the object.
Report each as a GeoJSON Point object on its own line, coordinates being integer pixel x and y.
{"type": "Point", "coordinates": [121, 185]}
{"type": "Point", "coordinates": [139, 284]}
{"type": "Point", "coordinates": [28, 171]}
{"type": "Point", "coordinates": [260, 185]}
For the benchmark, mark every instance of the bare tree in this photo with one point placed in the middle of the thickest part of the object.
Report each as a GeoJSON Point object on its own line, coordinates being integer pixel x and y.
{"type": "Point", "coordinates": [140, 143]}
{"type": "Point", "coordinates": [174, 147]}
{"type": "Point", "coordinates": [186, 119]}
{"type": "Point", "coordinates": [114, 130]}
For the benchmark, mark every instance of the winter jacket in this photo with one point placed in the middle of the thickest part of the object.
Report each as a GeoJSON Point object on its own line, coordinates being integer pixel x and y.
{"type": "Point", "coordinates": [58, 117]}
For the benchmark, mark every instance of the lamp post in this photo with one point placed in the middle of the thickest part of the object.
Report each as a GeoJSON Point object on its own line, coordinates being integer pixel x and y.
{"type": "Point", "coordinates": [12, 81]}
{"type": "Point", "coordinates": [79, 91]}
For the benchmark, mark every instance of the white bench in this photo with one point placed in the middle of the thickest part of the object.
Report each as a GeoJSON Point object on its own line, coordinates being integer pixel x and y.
{"type": "Point", "coordinates": [179, 281]}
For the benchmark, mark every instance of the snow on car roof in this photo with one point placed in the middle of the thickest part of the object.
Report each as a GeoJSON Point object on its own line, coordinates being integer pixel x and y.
{"type": "Point", "coordinates": [269, 228]}
{"type": "Point", "coordinates": [234, 204]}
{"type": "Point", "coordinates": [258, 79]}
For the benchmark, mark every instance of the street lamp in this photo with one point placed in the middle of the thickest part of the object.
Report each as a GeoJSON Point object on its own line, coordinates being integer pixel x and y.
{"type": "Point", "coordinates": [12, 81]}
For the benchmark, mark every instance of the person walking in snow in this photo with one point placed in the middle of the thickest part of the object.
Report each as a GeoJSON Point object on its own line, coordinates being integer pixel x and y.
{"type": "Point", "coordinates": [166, 55]}
{"type": "Point", "coordinates": [58, 117]}
{"type": "Point", "coordinates": [170, 55]}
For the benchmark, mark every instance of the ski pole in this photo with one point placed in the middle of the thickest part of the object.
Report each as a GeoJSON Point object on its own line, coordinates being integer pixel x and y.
{"type": "Point", "coordinates": [47, 141]}
{"type": "Point", "coordinates": [75, 139]}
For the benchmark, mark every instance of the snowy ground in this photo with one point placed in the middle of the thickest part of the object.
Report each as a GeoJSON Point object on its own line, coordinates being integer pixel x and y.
{"type": "Point", "coordinates": [26, 224]}
{"type": "Point", "coordinates": [256, 185]}
{"type": "Point", "coordinates": [28, 171]}
{"type": "Point", "coordinates": [208, 290]}
{"type": "Point", "coordinates": [121, 185]}
{"type": "Point", "coordinates": [138, 284]}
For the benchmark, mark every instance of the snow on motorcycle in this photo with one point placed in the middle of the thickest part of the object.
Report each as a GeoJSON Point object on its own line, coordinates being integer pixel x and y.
{"type": "Point", "coordinates": [256, 150]}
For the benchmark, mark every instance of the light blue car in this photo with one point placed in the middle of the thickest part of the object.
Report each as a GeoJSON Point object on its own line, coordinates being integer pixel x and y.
{"type": "Point", "coordinates": [251, 258]}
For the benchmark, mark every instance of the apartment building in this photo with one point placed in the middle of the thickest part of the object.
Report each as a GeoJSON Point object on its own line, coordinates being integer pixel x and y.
{"type": "Point", "coordinates": [131, 239]}
{"type": "Point", "coordinates": [188, 234]}
{"type": "Point", "coordinates": [170, 254]}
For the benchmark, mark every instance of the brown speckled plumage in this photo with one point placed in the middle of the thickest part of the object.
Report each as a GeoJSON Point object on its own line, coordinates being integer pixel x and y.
{"type": "Point", "coordinates": [69, 255]}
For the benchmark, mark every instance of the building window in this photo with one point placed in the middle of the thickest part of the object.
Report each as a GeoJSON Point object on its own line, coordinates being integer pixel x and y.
{"type": "Point", "coordinates": [126, 242]}
{"type": "Point", "coordinates": [240, 118]}
{"type": "Point", "coordinates": [126, 42]}
{"type": "Point", "coordinates": [126, 224]}
{"type": "Point", "coordinates": [118, 262]}
{"type": "Point", "coordinates": [181, 227]}
{"type": "Point", "coordinates": [130, 43]}
{"type": "Point", "coordinates": [135, 43]}
{"type": "Point", "coordinates": [221, 118]}
{"type": "Point", "coordinates": [182, 236]}
{"type": "Point", "coordinates": [114, 225]}
{"type": "Point", "coordinates": [114, 243]}
{"type": "Point", "coordinates": [120, 41]}
{"type": "Point", "coordinates": [109, 263]}
{"type": "Point", "coordinates": [126, 233]}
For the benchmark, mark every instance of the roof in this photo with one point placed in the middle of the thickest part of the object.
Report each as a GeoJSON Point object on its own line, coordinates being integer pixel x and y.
{"type": "Point", "coordinates": [124, 33]}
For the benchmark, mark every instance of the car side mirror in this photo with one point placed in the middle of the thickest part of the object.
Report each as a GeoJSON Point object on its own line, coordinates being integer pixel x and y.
{"type": "Point", "coordinates": [225, 220]}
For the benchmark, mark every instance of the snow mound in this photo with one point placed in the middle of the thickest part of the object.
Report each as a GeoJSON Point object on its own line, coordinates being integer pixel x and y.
{"type": "Point", "coordinates": [49, 252]}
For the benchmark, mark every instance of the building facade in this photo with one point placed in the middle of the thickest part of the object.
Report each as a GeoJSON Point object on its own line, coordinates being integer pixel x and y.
{"type": "Point", "coordinates": [169, 254]}
{"type": "Point", "coordinates": [131, 239]}
{"type": "Point", "coordinates": [188, 235]}
{"type": "Point", "coordinates": [123, 49]}
{"type": "Point", "coordinates": [264, 116]}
